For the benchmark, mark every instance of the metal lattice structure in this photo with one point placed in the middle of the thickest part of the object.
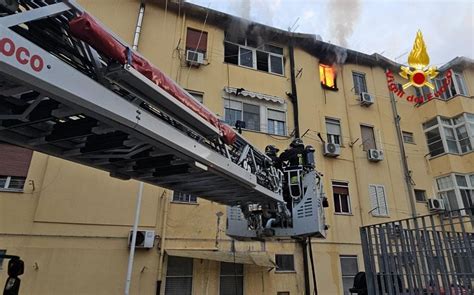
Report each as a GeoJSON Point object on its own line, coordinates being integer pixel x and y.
{"type": "Point", "coordinates": [64, 97]}
{"type": "Point", "coordinates": [432, 254]}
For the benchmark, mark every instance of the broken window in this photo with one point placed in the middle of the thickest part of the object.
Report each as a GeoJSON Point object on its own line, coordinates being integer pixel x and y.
{"type": "Point", "coordinates": [327, 75]}
{"type": "Point", "coordinates": [252, 53]}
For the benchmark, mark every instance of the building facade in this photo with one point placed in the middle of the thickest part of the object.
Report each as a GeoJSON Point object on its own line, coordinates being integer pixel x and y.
{"type": "Point", "coordinates": [70, 223]}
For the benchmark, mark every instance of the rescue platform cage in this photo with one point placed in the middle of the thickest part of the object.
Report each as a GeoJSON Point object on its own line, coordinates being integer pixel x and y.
{"type": "Point", "coordinates": [430, 254]}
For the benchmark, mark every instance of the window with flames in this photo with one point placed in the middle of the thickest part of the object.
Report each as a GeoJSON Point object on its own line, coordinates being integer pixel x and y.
{"type": "Point", "coordinates": [328, 76]}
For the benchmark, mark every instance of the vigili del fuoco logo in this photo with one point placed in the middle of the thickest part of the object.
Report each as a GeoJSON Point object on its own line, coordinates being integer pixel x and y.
{"type": "Point", "coordinates": [419, 74]}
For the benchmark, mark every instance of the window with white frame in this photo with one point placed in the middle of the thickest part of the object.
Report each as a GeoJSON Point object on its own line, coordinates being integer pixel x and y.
{"type": "Point", "coordinates": [446, 135]}
{"type": "Point", "coordinates": [378, 200]}
{"type": "Point", "coordinates": [231, 279]}
{"type": "Point", "coordinates": [276, 122]}
{"type": "Point", "coordinates": [199, 96]}
{"type": "Point", "coordinates": [249, 53]}
{"type": "Point", "coordinates": [360, 84]}
{"type": "Point", "coordinates": [333, 130]}
{"type": "Point", "coordinates": [342, 202]}
{"type": "Point", "coordinates": [349, 268]}
{"type": "Point", "coordinates": [260, 115]}
{"type": "Point", "coordinates": [179, 276]}
{"type": "Point", "coordinates": [457, 190]}
{"type": "Point", "coordinates": [180, 197]}
{"type": "Point", "coordinates": [12, 183]}
{"type": "Point", "coordinates": [457, 86]}
{"type": "Point", "coordinates": [423, 92]}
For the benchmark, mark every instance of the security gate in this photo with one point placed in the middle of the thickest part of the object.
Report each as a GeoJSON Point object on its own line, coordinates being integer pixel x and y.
{"type": "Point", "coordinates": [431, 254]}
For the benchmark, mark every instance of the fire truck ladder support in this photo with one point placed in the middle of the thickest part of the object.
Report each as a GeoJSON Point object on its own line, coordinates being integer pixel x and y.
{"type": "Point", "coordinates": [59, 96]}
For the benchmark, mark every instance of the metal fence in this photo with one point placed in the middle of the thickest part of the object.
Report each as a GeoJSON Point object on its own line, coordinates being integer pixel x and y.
{"type": "Point", "coordinates": [431, 254]}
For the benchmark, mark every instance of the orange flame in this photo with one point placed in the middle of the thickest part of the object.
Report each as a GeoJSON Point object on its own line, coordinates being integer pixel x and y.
{"type": "Point", "coordinates": [327, 75]}
{"type": "Point", "coordinates": [418, 57]}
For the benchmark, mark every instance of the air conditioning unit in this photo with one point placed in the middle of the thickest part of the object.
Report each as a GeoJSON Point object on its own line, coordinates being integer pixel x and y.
{"type": "Point", "coordinates": [145, 239]}
{"type": "Point", "coordinates": [366, 99]}
{"type": "Point", "coordinates": [194, 58]}
{"type": "Point", "coordinates": [375, 155]}
{"type": "Point", "coordinates": [436, 204]}
{"type": "Point", "coordinates": [332, 149]}
{"type": "Point", "coordinates": [9, 6]}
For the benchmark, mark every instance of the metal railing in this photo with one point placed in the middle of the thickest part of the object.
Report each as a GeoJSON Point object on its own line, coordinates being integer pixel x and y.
{"type": "Point", "coordinates": [431, 254]}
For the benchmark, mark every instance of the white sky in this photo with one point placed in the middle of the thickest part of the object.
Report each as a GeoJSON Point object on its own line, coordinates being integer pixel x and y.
{"type": "Point", "coordinates": [384, 26]}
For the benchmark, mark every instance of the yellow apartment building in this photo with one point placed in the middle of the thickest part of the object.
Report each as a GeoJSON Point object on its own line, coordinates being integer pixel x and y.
{"type": "Point", "coordinates": [70, 223]}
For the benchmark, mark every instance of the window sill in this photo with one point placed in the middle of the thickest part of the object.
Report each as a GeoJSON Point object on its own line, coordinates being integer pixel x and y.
{"type": "Point", "coordinates": [254, 69]}
{"type": "Point", "coordinates": [9, 190]}
{"type": "Point", "coordinates": [343, 214]}
{"type": "Point", "coordinates": [265, 133]}
{"type": "Point", "coordinates": [422, 202]}
{"type": "Point", "coordinates": [285, 271]}
{"type": "Point", "coordinates": [381, 216]}
{"type": "Point", "coordinates": [412, 143]}
{"type": "Point", "coordinates": [185, 203]}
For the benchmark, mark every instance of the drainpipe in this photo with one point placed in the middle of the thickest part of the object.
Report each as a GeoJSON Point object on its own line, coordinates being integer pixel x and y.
{"type": "Point", "coordinates": [293, 95]}
{"type": "Point", "coordinates": [406, 171]}
{"type": "Point", "coordinates": [138, 27]}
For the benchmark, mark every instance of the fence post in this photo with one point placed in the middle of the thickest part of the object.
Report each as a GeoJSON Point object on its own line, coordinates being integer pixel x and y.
{"type": "Point", "coordinates": [369, 272]}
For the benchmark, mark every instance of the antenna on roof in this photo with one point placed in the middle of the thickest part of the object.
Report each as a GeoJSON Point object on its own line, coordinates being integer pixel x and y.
{"type": "Point", "coordinates": [294, 26]}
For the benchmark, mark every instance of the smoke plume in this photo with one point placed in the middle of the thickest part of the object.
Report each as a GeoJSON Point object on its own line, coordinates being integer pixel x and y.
{"type": "Point", "coordinates": [343, 16]}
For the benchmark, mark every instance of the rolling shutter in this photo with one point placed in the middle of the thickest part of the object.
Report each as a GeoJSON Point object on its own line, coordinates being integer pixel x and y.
{"type": "Point", "coordinates": [15, 161]}
{"type": "Point", "coordinates": [196, 41]}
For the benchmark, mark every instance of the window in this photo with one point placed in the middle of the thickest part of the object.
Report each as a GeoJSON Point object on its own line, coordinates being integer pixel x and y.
{"type": "Point", "coordinates": [257, 113]}
{"type": "Point", "coordinates": [12, 183]}
{"type": "Point", "coordinates": [408, 137]}
{"type": "Point", "coordinates": [368, 137]}
{"type": "Point", "coordinates": [327, 74]}
{"type": "Point", "coordinates": [284, 262]}
{"type": "Point", "coordinates": [231, 279]}
{"type": "Point", "coordinates": [276, 122]}
{"type": "Point", "coordinates": [422, 92]}
{"type": "Point", "coordinates": [2, 252]}
{"type": "Point", "coordinates": [199, 96]}
{"type": "Point", "coordinates": [456, 87]}
{"type": "Point", "coordinates": [378, 200]}
{"type": "Point", "coordinates": [454, 135]}
{"type": "Point", "coordinates": [249, 53]}
{"type": "Point", "coordinates": [183, 197]}
{"type": "Point", "coordinates": [420, 195]}
{"type": "Point", "coordinates": [349, 268]}
{"type": "Point", "coordinates": [359, 83]}
{"type": "Point", "coordinates": [457, 190]}
{"type": "Point", "coordinates": [342, 202]}
{"type": "Point", "coordinates": [179, 276]}
{"type": "Point", "coordinates": [196, 40]}
{"type": "Point", "coordinates": [333, 130]}
{"type": "Point", "coordinates": [15, 163]}
{"type": "Point", "coordinates": [249, 113]}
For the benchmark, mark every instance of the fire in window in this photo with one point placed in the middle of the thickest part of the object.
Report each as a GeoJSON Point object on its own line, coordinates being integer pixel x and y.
{"type": "Point", "coordinates": [328, 76]}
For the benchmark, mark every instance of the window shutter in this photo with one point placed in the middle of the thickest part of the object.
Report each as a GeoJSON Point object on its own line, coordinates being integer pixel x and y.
{"type": "Point", "coordinates": [382, 201]}
{"type": "Point", "coordinates": [196, 41]}
{"type": "Point", "coordinates": [368, 138]}
{"type": "Point", "coordinates": [333, 127]}
{"type": "Point", "coordinates": [373, 200]}
{"type": "Point", "coordinates": [276, 115]}
{"type": "Point", "coordinates": [15, 161]}
{"type": "Point", "coordinates": [340, 190]}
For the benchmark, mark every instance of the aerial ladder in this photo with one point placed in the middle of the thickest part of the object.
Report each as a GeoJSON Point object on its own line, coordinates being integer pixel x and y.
{"type": "Point", "coordinates": [72, 89]}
